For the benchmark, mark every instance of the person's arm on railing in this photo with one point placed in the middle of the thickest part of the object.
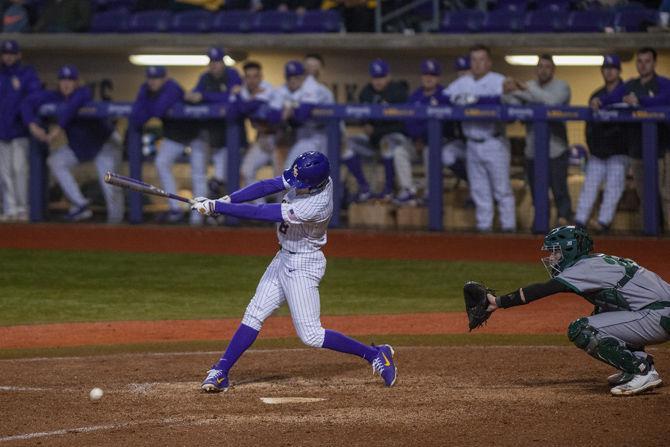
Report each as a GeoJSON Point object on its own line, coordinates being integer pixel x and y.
{"type": "Point", "coordinates": [168, 96]}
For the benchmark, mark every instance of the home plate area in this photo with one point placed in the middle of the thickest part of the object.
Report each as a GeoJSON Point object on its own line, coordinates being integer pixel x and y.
{"type": "Point", "coordinates": [549, 395]}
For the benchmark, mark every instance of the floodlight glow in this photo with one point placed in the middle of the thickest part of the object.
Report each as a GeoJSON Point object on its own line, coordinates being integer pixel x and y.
{"type": "Point", "coordinates": [565, 60]}
{"type": "Point", "coordinates": [181, 60]}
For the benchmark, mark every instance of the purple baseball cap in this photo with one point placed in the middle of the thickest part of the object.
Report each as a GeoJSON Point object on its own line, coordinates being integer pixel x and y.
{"type": "Point", "coordinates": [379, 68]}
{"type": "Point", "coordinates": [293, 68]}
{"type": "Point", "coordinates": [216, 54]}
{"type": "Point", "coordinates": [462, 63]}
{"type": "Point", "coordinates": [611, 61]}
{"type": "Point", "coordinates": [156, 71]}
{"type": "Point", "coordinates": [68, 72]}
{"type": "Point", "coordinates": [431, 67]}
{"type": "Point", "coordinates": [10, 47]}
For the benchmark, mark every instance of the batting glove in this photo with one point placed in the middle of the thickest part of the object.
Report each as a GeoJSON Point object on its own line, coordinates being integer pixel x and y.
{"type": "Point", "coordinates": [204, 206]}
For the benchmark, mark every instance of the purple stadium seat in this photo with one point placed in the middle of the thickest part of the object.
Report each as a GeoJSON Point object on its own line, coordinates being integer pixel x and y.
{"type": "Point", "coordinates": [464, 21]}
{"type": "Point", "coordinates": [195, 21]}
{"type": "Point", "coordinates": [511, 5]}
{"type": "Point", "coordinates": [273, 22]}
{"type": "Point", "coordinates": [543, 22]}
{"type": "Point", "coordinates": [592, 21]}
{"type": "Point", "coordinates": [316, 21]}
{"type": "Point", "coordinates": [503, 21]}
{"type": "Point", "coordinates": [150, 22]}
{"type": "Point", "coordinates": [633, 20]}
{"type": "Point", "coordinates": [115, 21]}
{"type": "Point", "coordinates": [232, 22]}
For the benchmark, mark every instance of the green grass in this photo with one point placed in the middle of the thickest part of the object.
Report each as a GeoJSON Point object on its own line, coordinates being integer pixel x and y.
{"type": "Point", "coordinates": [52, 286]}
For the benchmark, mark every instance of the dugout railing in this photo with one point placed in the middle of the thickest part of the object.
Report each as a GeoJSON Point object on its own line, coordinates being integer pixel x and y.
{"type": "Point", "coordinates": [332, 115]}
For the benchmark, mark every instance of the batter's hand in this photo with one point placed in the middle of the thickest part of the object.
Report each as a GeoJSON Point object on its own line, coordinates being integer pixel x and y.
{"type": "Point", "coordinates": [204, 206]}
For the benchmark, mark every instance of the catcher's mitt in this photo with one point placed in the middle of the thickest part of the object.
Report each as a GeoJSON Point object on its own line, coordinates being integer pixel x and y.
{"type": "Point", "coordinates": [476, 303]}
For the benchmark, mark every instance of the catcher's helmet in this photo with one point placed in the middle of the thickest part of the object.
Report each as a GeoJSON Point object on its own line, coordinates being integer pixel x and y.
{"type": "Point", "coordinates": [566, 244]}
{"type": "Point", "coordinates": [310, 170]}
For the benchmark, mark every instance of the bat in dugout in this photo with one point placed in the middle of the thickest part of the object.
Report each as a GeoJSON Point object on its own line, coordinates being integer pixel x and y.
{"type": "Point", "coordinates": [137, 185]}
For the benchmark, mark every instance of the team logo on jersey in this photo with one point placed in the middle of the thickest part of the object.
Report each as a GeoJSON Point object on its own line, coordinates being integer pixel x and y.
{"type": "Point", "coordinates": [16, 83]}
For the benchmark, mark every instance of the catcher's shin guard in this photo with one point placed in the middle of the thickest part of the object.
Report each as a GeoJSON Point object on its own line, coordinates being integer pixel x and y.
{"type": "Point", "coordinates": [606, 348]}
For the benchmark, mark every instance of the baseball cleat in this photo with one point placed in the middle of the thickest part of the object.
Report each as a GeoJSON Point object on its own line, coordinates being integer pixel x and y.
{"type": "Point", "coordinates": [619, 378]}
{"type": "Point", "coordinates": [384, 365]}
{"type": "Point", "coordinates": [638, 384]}
{"type": "Point", "coordinates": [215, 382]}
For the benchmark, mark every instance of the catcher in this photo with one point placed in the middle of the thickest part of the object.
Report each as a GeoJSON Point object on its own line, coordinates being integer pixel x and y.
{"type": "Point", "coordinates": [632, 306]}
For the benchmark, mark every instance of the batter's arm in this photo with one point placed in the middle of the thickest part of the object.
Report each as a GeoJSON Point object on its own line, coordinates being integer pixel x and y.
{"type": "Point", "coordinates": [530, 293]}
{"type": "Point", "coordinates": [259, 189]}
{"type": "Point", "coordinates": [265, 212]}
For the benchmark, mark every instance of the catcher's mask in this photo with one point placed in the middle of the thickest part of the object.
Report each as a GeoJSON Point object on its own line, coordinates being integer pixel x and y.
{"type": "Point", "coordinates": [565, 245]}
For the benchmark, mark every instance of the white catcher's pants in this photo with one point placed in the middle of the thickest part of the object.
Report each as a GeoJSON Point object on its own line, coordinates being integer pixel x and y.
{"type": "Point", "coordinates": [14, 175]}
{"type": "Point", "coordinates": [293, 278]}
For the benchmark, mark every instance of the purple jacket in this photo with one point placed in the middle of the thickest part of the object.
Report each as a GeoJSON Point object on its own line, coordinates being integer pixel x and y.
{"type": "Point", "coordinates": [16, 83]}
{"type": "Point", "coordinates": [654, 93]}
{"type": "Point", "coordinates": [149, 104]}
{"type": "Point", "coordinates": [86, 136]}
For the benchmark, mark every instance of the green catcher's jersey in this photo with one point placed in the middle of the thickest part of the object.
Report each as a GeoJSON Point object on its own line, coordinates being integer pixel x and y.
{"type": "Point", "coordinates": [613, 283]}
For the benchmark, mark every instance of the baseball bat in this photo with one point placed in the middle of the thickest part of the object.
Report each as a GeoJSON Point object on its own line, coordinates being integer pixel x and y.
{"type": "Point", "coordinates": [139, 186]}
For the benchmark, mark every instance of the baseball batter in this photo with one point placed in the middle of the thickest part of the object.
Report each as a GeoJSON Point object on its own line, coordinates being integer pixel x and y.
{"type": "Point", "coordinates": [632, 306]}
{"type": "Point", "coordinates": [487, 150]}
{"type": "Point", "coordinates": [294, 274]}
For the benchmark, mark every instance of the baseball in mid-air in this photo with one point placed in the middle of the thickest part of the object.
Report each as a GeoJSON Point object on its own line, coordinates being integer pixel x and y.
{"type": "Point", "coordinates": [95, 394]}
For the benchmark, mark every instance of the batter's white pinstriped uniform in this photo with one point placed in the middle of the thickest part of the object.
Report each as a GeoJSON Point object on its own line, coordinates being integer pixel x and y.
{"type": "Point", "coordinates": [296, 270]}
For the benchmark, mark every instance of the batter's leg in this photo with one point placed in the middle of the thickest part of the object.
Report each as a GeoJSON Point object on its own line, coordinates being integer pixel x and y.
{"type": "Point", "coordinates": [596, 170]}
{"type": "Point", "coordinates": [60, 162]}
{"type": "Point", "coordinates": [300, 280]}
{"type": "Point", "coordinates": [268, 297]}
{"type": "Point", "coordinates": [615, 184]}
{"type": "Point", "coordinates": [168, 153]}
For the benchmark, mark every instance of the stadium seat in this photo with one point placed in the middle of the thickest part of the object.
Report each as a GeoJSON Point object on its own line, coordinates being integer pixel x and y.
{"type": "Point", "coordinates": [115, 21]}
{"type": "Point", "coordinates": [232, 22]}
{"type": "Point", "coordinates": [150, 22]}
{"type": "Point", "coordinates": [592, 21]}
{"type": "Point", "coordinates": [635, 20]}
{"type": "Point", "coordinates": [543, 22]}
{"type": "Point", "coordinates": [195, 21]}
{"type": "Point", "coordinates": [503, 21]}
{"type": "Point", "coordinates": [273, 22]}
{"type": "Point", "coordinates": [319, 22]}
{"type": "Point", "coordinates": [464, 21]}
{"type": "Point", "coordinates": [511, 5]}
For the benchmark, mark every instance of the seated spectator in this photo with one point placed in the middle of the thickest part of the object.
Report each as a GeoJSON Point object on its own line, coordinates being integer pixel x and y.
{"type": "Point", "coordinates": [15, 17]}
{"type": "Point", "coordinates": [88, 139]}
{"type": "Point", "coordinates": [64, 16]}
{"type": "Point", "coordinates": [546, 90]}
{"type": "Point", "coordinates": [358, 15]}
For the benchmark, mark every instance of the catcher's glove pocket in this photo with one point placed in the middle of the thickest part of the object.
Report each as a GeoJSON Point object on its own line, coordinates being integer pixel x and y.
{"type": "Point", "coordinates": [476, 303]}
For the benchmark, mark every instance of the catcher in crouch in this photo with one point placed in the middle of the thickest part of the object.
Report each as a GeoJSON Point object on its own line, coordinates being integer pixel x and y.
{"type": "Point", "coordinates": [632, 306]}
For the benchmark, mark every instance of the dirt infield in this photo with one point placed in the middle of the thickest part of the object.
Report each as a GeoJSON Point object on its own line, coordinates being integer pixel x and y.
{"type": "Point", "coordinates": [453, 396]}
